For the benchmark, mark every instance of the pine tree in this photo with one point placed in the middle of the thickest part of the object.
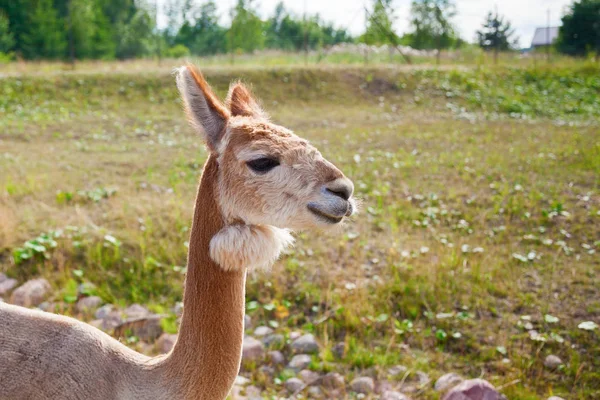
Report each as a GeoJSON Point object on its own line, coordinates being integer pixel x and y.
{"type": "Point", "coordinates": [45, 36]}
{"type": "Point", "coordinates": [380, 23]}
{"type": "Point", "coordinates": [246, 32]}
{"type": "Point", "coordinates": [7, 39]}
{"type": "Point", "coordinates": [431, 21]}
{"type": "Point", "coordinates": [496, 33]}
{"type": "Point", "coordinates": [580, 30]}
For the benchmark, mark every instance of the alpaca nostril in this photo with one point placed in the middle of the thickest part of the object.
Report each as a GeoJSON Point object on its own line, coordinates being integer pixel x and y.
{"type": "Point", "coordinates": [341, 188]}
{"type": "Point", "coordinates": [344, 194]}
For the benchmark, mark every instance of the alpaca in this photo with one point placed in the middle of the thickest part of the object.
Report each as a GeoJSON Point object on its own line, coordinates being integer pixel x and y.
{"type": "Point", "coordinates": [259, 182]}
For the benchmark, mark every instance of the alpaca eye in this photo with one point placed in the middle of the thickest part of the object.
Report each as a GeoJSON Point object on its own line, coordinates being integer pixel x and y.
{"type": "Point", "coordinates": [262, 165]}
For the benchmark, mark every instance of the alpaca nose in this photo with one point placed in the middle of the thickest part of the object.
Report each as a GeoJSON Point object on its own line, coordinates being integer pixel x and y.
{"type": "Point", "coordinates": [341, 187]}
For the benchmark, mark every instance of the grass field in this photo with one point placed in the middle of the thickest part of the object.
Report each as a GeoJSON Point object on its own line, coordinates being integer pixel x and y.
{"type": "Point", "coordinates": [480, 217]}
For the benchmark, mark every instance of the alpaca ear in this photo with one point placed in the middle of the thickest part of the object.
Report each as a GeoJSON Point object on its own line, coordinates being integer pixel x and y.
{"type": "Point", "coordinates": [241, 102]}
{"type": "Point", "coordinates": [205, 112]}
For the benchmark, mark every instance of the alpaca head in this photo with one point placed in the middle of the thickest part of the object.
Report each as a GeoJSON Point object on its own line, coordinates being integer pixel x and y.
{"type": "Point", "coordinates": [267, 174]}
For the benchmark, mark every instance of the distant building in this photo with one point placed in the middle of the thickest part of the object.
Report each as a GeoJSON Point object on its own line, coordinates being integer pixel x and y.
{"type": "Point", "coordinates": [544, 36]}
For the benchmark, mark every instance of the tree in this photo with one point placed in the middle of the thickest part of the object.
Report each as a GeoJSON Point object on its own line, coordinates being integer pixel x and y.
{"type": "Point", "coordinates": [203, 35]}
{"type": "Point", "coordinates": [45, 37]}
{"type": "Point", "coordinates": [432, 26]}
{"type": "Point", "coordinates": [7, 39]}
{"type": "Point", "coordinates": [580, 30]}
{"type": "Point", "coordinates": [380, 23]}
{"type": "Point", "coordinates": [288, 32]}
{"type": "Point", "coordinates": [496, 34]}
{"type": "Point", "coordinates": [246, 32]}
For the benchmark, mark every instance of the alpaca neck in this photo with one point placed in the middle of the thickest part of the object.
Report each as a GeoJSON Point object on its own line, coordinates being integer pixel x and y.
{"type": "Point", "coordinates": [206, 357]}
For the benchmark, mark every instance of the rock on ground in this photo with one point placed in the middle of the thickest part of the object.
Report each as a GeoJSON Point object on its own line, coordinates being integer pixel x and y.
{"type": "Point", "coordinates": [293, 384]}
{"type": "Point", "coordinates": [252, 349]}
{"type": "Point", "coordinates": [273, 340]}
{"type": "Point", "coordinates": [473, 389]}
{"type": "Point", "coordinates": [262, 331]}
{"type": "Point", "coordinates": [392, 395]}
{"type": "Point", "coordinates": [555, 398]}
{"type": "Point", "coordinates": [307, 376]}
{"type": "Point", "coordinates": [88, 304]}
{"type": "Point", "coordinates": [306, 344]}
{"type": "Point", "coordinates": [299, 362]}
{"type": "Point", "coordinates": [276, 357]}
{"type": "Point", "coordinates": [103, 311]}
{"type": "Point", "coordinates": [339, 349]}
{"type": "Point", "coordinates": [447, 381]}
{"type": "Point", "coordinates": [397, 370]}
{"type": "Point", "coordinates": [333, 380]}
{"type": "Point", "coordinates": [6, 284]}
{"type": "Point", "coordinates": [146, 328]}
{"type": "Point", "coordinates": [551, 361]}
{"type": "Point", "coordinates": [363, 384]}
{"type": "Point", "coordinates": [136, 311]}
{"type": "Point", "coordinates": [31, 293]}
{"type": "Point", "coordinates": [165, 342]}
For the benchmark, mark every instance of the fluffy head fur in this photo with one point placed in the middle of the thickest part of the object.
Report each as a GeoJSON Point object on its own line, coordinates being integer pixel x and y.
{"type": "Point", "coordinates": [301, 190]}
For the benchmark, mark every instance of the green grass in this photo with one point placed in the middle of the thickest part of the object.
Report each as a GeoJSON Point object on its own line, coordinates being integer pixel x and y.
{"type": "Point", "coordinates": [481, 211]}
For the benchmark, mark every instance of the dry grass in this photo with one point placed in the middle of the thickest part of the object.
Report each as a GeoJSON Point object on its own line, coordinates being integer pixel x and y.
{"type": "Point", "coordinates": [427, 275]}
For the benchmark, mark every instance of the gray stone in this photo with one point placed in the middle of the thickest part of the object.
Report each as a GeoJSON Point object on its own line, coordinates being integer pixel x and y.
{"type": "Point", "coordinates": [88, 304]}
{"type": "Point", "coordinates": [253, 393]}
{"type": "Point", "coordinates": [276, 357]}
{"type": "Point", "coordinates": [47, 306]}
{"type": "Point", "coordinates": [267, 370]}
{"type": "Point", "coordinates": [6, 284]}
{"type": "Point", "coordinates": [299, 362]}
{"type": "Point", "coordinates": [112, 320]}
{"type": "Point", "coordinates": [339, 349]}
{"type": "Point", "coordinates": [307, 376]}
{"type": "Point", "coordinates": [262, 331]}
{"type": "Point", "coordinates": [295, 335]}
{"type": "Point", "coordinates": [383, 386]}
{"type": "Point", "coordinates": [314, 392]}
{"type": "Point", "coordinates": [393, 395]}
{"type": "Point", "coordinates": [333, 380]}
{"type": "Point", "coordinates": [136, 311]}
{"type": "Point", "coordinates": [145, 328]}
{"type": "Point", "coordinates": [423, 378]}
{"type": "Point", "coordinates": [552, 362]}
{"type": "Point", "coordinates": [447, 381]}
{"type": "Point", "coordinates": [397, 370]}
{"type": "Point", "coordinates": [252, 349]}
{"type": "Point", "coordinates": [247, 322]}
{"type": "Point", "coordinates": [273, 340]}
{"type": "Point", "coordinates": [473, 389]}
{"type": "Point", "coordinates": [241, 381]}
{"type": "Point", "coordinates": [293, 384]}
{"type": "Point", "coordinates": [165, 342]}
{"type": "Point", "coordinates": [363, 384]}
{"type": "Point", "coordinates": [31, 293]}
{"type": "Point", "coordinates": [103, 311]}
{"type": "Point", "coordinates": [306, 344]}
{"type": "Point", "coordinates": [178, 309]}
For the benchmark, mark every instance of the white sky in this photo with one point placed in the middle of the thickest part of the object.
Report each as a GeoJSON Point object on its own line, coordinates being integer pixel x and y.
{"type": "Point", "coordinates": [525, 15]}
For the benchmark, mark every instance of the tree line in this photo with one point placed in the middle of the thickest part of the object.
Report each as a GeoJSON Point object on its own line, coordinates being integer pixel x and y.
{"type": "Point", "coordinates": [122, 29]}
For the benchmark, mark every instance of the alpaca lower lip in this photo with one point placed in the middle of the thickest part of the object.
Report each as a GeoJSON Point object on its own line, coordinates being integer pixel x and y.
{"type": "Point", "coordinates": [323, 216]}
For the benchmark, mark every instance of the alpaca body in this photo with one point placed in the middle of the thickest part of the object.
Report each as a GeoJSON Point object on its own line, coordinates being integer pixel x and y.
{"type": "Point", "coordinates": [55, 358]}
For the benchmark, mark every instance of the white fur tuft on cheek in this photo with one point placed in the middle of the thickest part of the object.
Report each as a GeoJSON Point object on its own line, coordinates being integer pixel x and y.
{"type": "Point", "coordinates": [248, 246]}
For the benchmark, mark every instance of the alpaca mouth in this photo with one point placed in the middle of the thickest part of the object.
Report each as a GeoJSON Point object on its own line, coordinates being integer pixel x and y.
{"type": "Point", "coordinates": [321, 215]}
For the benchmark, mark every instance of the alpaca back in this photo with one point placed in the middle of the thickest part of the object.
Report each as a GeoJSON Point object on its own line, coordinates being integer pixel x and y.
{"type": "Point", "coordinates": [47, 356]}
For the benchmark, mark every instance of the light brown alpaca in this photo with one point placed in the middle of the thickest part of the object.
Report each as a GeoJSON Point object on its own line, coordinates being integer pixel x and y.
{"type": "Point", "coordinates": [259, 180]}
